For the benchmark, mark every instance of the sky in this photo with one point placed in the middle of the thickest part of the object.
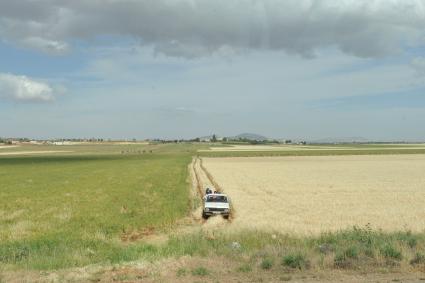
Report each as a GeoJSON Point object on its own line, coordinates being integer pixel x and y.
{"type": "Point", "coordinates": [296, 69]}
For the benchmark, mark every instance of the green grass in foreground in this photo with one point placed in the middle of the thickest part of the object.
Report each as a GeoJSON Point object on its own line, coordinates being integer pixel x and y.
{"type": "Point", "coordinates": [61, 211]}
{"type": "Point", "coordinates": [358, 249]}
{"type": "Point", "coordinates": [352, 248]}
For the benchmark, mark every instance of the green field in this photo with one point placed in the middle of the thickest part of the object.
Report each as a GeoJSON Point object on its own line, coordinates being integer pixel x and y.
{"type": "Point", "coordinates": [72, 210]}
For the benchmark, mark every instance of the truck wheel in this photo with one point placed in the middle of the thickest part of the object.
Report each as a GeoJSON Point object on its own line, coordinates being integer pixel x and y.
{"type": "Point", "coordinates": [226, 217]}
{"type": "Point", "coordinates": [204, 216]}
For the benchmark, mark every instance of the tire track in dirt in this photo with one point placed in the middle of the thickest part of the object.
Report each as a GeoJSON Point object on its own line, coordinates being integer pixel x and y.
{"type": "Point", "coordinates": [216, 186]}
{"type": "Point", "coordinates": [205, 177]}
{"type": "Point", "coordinates": [198, 181]}
{"type": "Point", "coordinates": [201, 182]}
{"type": "Point", "coordinates": [201, 176]}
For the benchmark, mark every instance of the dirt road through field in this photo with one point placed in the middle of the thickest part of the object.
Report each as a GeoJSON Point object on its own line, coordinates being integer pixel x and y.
{"type": "Point", "coordinates": [202, 179]}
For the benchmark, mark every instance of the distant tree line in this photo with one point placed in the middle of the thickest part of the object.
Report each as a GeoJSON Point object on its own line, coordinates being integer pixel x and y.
{"type": "Point", "coordinates": [9, 141]}
{"type": "Point", "coordinates": [214, 139]}
{"type": "Point", "coordinates": [210, 139]}
{"type": "Point", "coordinates": [250, 141]}
{"type": "Point", "coordinates": [5, 141]}
{"type": "Point", "coordinates": [175, 140]}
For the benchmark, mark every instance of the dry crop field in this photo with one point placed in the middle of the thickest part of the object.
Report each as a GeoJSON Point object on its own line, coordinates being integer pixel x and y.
{"type": "Point", "coordinates": [313, 194]}
{"type": "Point", "coordinates": [329, 148]}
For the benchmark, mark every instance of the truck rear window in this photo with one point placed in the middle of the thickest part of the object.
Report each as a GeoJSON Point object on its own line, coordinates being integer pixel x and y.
{"type": "Point", "coordinates": [216, 199]}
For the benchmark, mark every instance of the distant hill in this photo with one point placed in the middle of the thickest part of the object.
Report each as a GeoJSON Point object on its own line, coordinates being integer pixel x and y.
{"type": "Point", "coordinates": [250, 136]}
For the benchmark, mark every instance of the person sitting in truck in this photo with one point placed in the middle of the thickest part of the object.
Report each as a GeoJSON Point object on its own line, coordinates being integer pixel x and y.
{"type": "Point", "coordinates": [218, 198]}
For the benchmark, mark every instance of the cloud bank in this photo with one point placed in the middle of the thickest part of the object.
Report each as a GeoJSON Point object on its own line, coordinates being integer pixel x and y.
{"type": "Point", "coordinates": [189, 28]}
{"type": "Point", "coordinates": [22, 88]}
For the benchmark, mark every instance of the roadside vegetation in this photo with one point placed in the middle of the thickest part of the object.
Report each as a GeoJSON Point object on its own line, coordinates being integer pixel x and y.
{"type": "Point", "coordinates": [258, 254]}
{"type": "Point", "coordinates": [356, 248]}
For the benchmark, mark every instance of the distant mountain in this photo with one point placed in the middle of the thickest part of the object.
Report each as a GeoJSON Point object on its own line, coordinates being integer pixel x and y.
{"type": "Point", "coordinates": [250, 136]}
{"type": "Point", "coordinates": [341, 140]}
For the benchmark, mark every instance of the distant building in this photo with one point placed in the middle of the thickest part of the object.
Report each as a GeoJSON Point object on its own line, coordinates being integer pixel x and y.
{"type": "Point", "coordinates": [62, 143]}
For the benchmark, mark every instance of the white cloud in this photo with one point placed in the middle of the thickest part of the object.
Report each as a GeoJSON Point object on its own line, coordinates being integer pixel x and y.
{"type": "Point", "coordinates": [188, 28]}
{"type": "Point", "coordinates": [22, 88]}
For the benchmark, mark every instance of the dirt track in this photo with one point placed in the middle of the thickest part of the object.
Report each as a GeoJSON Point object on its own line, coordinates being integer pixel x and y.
{"type": "Point", "coordinates": [202, 179]}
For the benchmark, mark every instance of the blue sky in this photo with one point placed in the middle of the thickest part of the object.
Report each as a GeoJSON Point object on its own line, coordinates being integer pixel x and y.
{"type": "Point", "coordinates": [181, 69]}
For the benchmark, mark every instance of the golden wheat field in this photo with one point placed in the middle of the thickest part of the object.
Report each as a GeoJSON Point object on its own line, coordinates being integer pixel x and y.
{"type": "Point", "coordinates": [259, 148]}
{"type": "Point", "coordinates": [313, 194]}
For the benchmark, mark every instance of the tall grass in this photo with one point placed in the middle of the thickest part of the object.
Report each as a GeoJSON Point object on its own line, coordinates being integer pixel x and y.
{"type": "Point", "coordinates": [353, 248]}
{"type": "Point", "coordinates": [61, 211]}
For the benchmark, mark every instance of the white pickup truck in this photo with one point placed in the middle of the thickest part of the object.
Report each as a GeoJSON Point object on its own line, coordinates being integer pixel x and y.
{"type": "Point", "coordinates": [216, 204]}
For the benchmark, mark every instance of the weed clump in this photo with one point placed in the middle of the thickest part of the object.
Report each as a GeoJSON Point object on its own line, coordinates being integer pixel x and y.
{"type": "Point", "coordinates": [200, 271]}
{"type": "Point", "coordinates": [266, 263]}
{"type": "Point", "coordinates": [345, 259]}
{"type": "Point", "coordinates": [351, 252]}
{"type": "Point", "coordinates": [181, 272]}
{"type": "Point", "coordinates": [244, 268]}
{"type": "Point", "coordinates": [390, 252]}
{"type": "Point", "coordinates": [295, 261]}
{"type": "Point", "coordinates": [409, 239]}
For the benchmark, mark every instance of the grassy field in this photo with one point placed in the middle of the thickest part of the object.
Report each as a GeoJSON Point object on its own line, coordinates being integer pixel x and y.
{"type": "Point", "coordinates": [100, 204]}
{"type": "Point", "coordinates": [76, 209]}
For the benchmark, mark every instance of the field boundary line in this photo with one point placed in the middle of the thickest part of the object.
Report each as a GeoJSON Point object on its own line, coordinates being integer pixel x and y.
{"type": "Point", "coordinates": [210, 177]}
{"type": "Point", "coordinates": [197, 178]}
